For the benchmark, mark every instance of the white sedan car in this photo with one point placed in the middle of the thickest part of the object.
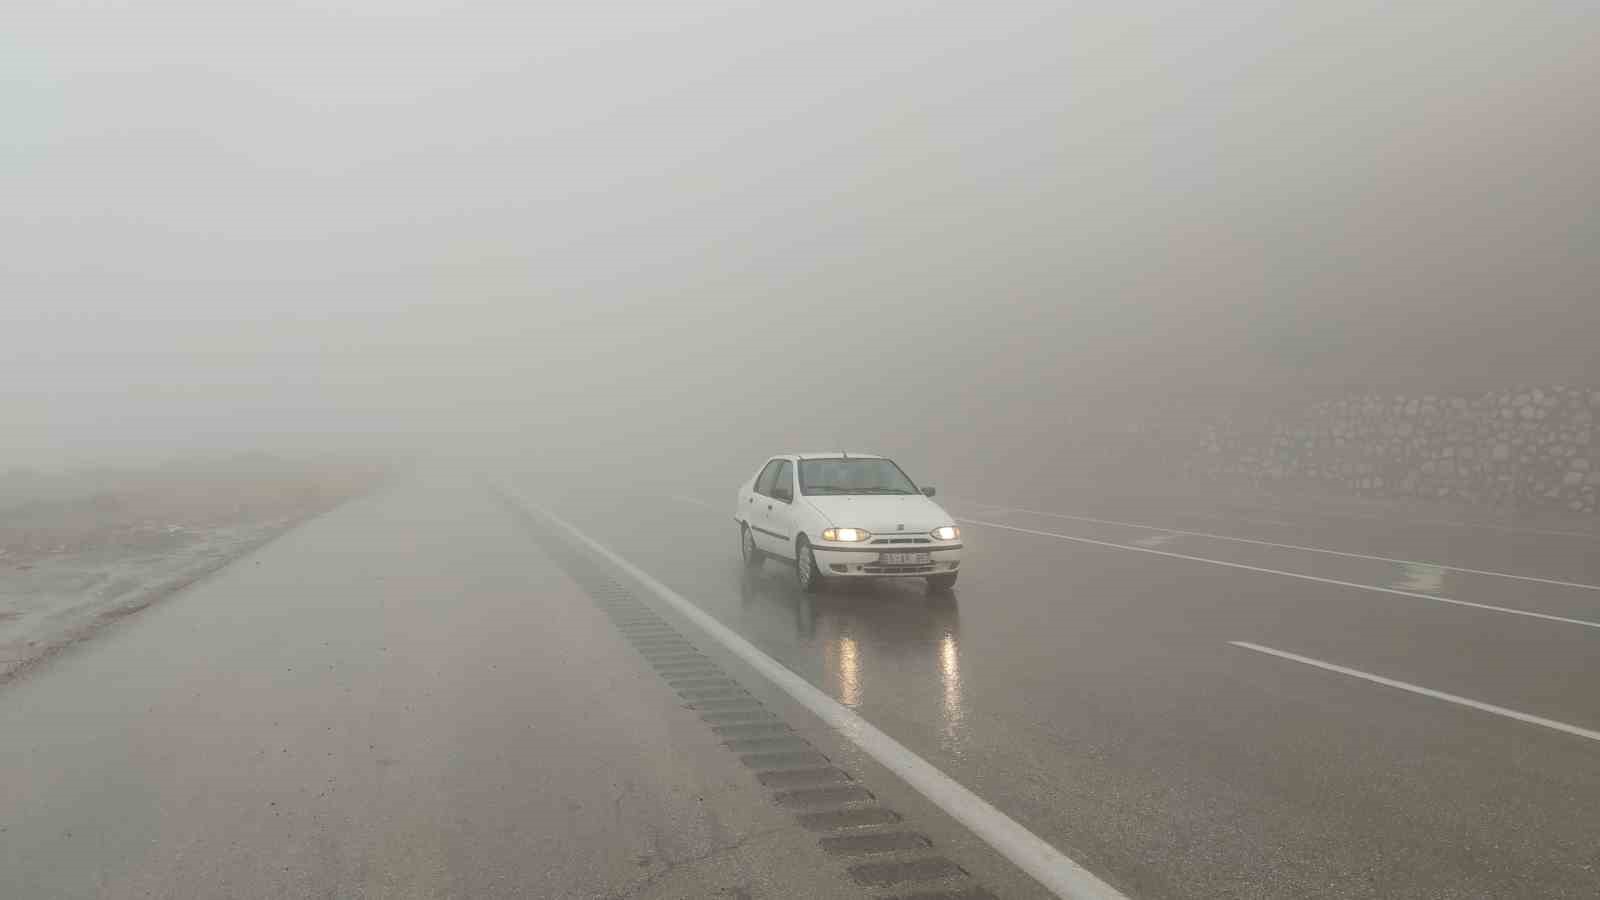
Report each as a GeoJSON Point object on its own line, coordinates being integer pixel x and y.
{"type": "Point", "coordinates": [846, 515]}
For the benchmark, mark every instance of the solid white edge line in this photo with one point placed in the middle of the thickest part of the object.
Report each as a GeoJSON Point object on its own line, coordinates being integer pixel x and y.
{"type": "Point", "coordinates": [1334, 581]}
{"type": "Point", "coordinates": [1057, 872]}
{"type": "Point", "coordinates": [1426, 692]}
{"type": "Point", "coordinates": [1301, 547]}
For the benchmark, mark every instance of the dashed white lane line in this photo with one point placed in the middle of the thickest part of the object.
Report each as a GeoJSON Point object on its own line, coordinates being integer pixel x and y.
{"type": "Point", "coordinates": [1052, 868]}
{"type": "Point", "coordinates": [1300, 547]}
{"type": "Point", "coordinates": [1426, 692]}
{"type": "Point", "coordinates": [1317, 578]}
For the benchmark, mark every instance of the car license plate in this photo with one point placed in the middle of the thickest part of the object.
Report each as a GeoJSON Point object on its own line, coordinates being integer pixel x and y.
{"type": "Point", "coordinates": [904, 559]}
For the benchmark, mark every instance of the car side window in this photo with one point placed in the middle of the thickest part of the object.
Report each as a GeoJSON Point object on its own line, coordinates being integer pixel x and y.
{"type": "Point", "coordinates": [767, 478]}
{"type": "Point", "coordinates": [785, 478]}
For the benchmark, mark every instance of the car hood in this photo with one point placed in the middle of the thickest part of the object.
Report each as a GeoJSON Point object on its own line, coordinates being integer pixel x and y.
{"type": "Point", "coordinates": [881, 513]}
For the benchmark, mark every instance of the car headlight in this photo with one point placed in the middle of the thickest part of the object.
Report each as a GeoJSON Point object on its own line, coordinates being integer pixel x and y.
{"type": "Point", "coordinates": [946, 533]}
{"type": "Point", "coordinates": [845, 535]}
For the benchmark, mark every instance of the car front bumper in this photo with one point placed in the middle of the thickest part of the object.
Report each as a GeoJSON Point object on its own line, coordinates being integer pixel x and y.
{"type": "Point", "coordinates": [862, 562]}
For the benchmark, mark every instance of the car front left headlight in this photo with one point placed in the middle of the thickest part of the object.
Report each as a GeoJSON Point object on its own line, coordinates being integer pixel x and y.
{"type": "Point", "coordinates": [946, 533]}
{"type": "Point", "coordinates": [845, 535]}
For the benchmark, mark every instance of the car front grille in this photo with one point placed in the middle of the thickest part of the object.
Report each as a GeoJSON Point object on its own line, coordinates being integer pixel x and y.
{"type": "Point", "coordinates": [901, 540]}
{"type": "Point", "coordinates": [897, 570]}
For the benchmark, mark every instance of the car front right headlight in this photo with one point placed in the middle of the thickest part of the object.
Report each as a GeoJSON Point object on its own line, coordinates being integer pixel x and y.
{"type": "Point", "coordinates": [845, 535]}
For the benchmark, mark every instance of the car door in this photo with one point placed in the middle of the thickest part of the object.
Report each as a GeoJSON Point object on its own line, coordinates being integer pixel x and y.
{"type": "Point", "coordinates": [758, 506]}
{"type": "Point", "coordinates": [780, 499]}
{"type": "Point", "coordinates": [750, 491]}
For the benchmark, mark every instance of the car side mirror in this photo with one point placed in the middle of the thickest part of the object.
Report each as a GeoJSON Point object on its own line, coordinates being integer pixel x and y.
{"type": "Point", "coordinates": [783, 493]}
{"type": "Point", "coordinates": [929, 492]}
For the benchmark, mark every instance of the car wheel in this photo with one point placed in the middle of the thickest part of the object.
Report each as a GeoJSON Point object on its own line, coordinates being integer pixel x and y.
{"type": "Point", "coordinates": [753, 557]}
{"type": "Point", "coordinates": [805, 568]}
{"type": "Point", "coordinates": [939, 584]}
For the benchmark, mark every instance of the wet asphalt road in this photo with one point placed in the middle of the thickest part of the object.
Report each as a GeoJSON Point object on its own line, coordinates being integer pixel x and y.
{"type": "Point", "coordinates": [405, 698]}
{"type": "Point", "coordinates": [1093, 692]}
{"type": "Point", "coordinates": [342, 713]}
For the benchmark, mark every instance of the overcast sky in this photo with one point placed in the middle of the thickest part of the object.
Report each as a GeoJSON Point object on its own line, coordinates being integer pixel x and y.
{"type": "Point", "coordinates": [239, 224]}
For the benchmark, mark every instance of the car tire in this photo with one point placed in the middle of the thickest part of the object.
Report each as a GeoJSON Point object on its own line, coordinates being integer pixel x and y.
{"type": "Point", "coordinates": [753, 556]}
{"type": "Point", "coordinates": [806, 574]}
{"type": "Point", "coordinates": [940, 584]}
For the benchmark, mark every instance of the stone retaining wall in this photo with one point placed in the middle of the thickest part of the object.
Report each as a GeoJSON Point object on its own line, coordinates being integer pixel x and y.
{"type": "Point", "coordinates": [1521, 448]}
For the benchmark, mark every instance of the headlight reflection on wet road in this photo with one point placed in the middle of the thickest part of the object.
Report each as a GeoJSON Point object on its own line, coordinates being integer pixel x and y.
{"type": "Point", "coordinates": [951, 733]}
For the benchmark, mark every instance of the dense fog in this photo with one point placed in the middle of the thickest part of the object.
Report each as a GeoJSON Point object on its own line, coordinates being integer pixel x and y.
{"type": "Point", "coordinates": [689, 234]}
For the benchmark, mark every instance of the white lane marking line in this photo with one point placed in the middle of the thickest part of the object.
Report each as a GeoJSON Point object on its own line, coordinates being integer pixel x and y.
{"type": "Point", "coordinates": [1301, 547]}
{"type": "Point", "coordinates": [1233, 565]}
{"type": "Point", "coordinates": [1426, 692]}
{"type": "Point", "coordinates": [682, 499]}
{"type": "Point", "coordinates": [1064, 877]}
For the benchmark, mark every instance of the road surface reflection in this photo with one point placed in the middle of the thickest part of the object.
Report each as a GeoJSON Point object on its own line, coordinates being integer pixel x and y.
{"type": "Point", "coordinates": [845, 636]}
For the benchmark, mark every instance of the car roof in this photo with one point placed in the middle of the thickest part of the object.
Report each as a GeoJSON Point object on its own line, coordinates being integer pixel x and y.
{"type": "Point", "coordinates": [832, 454]}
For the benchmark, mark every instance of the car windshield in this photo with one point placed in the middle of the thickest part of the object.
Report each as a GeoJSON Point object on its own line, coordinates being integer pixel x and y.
{"type": "Point", "coordinates": [853, 476]}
